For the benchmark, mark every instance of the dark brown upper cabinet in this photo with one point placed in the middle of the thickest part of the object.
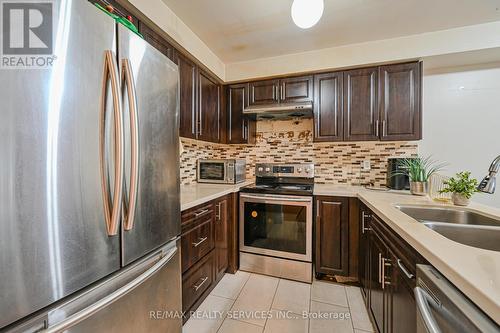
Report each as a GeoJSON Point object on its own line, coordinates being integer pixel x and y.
{"type": "Point", "coordinates": [296, 89]}
{"type": "Point", "coordinates": [158, 42]}
{"type": "Point", "coordinates": [361, 117]}
{"type": "Point", "coordinates": [188, 74]}
{"type": "Point", "coordinates": [263, 92]}
{"type": "Point", "coordinates": [328, 105]}
{"type": "Point", "coordinates": [332, 236]}
{"type": "Point", "coordinates": [287, 90]}
{"type": "Point", "coordinates": [209, 111]}
{"type": "Point", "coordinates": [400, 102]}
{"type": "Point", "coordinates": [240, 128]}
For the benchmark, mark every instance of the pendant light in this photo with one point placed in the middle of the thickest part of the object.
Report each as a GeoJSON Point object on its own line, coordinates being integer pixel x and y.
{"type": "Point", "coordinates": [306, 13]}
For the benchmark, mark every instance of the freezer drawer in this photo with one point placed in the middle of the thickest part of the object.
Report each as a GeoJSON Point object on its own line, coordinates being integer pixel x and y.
{"type": "Point", "coordinates": [143, 298]}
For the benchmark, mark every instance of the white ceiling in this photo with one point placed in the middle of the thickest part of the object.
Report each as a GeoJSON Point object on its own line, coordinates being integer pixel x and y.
{"type": "Point", "coordinates": [240, 30]}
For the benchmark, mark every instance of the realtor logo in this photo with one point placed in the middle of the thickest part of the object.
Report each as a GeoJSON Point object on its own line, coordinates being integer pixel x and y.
{"type": "Point", "coordinates": [27, 34]}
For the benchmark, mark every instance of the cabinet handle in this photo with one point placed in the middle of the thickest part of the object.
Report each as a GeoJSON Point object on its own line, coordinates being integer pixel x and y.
{"type": "Point", "coordinates": [198, 286]}
{"type": "Point", "coordinates": [277, 93]}
{"type": "Point", "coordinates": [218, 215]}
{"type": "Point", "coordinates": [405, 270]}
{"type": "Point", "coordinates": [377, 128]}
{"type": "Point", "coordinates": [379, 267]}
{"type": "Point", "coordinates": [201, 213]}
{"type": "Point", "coordinates": [385, 263]}
{"type": "Point", "coordinates": [282, 92]}
{"type": "Point", "coordinates": [200, 242]}
{"type": "Point", "coordinates": [384, 128]}
{"type": "Point", "coordinates": [363, 221]}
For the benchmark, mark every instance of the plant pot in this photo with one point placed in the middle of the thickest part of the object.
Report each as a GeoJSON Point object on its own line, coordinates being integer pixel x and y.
{"type": "Point", "coordinates": [419, 188]}
{"type": "Point", "coordinates": [459, 199]}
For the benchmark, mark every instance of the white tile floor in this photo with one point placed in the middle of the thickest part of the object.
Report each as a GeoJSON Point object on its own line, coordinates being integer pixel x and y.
{"type": "Point", "coordinates": [246, 302]}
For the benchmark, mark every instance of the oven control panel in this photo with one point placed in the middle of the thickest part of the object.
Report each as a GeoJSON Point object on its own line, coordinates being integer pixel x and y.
{"type": "Point", "coordinates": [305, 170]}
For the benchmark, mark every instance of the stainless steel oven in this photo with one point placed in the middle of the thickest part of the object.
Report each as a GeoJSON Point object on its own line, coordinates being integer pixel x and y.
{"type": "Point", "coordinates": [276, 225]}
{"type": "Point", "coordinates": [221, 171]}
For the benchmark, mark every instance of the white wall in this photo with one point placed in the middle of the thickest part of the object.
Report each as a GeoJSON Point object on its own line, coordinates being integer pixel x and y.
{"type": "Point", "coordinates": [463, 39]}
{"type": "Point", "coordinates": [462, 120]}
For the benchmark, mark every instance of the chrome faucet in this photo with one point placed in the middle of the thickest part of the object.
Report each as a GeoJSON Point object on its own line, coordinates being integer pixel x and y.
{"type": "Point", "coordinates": [488, 184]}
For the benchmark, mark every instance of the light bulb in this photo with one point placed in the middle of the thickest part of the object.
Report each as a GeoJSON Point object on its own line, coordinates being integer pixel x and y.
{"type": "Point", "coordinates": [306, 13]}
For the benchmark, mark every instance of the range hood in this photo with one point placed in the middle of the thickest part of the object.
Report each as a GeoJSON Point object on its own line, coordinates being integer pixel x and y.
{"type": "Point", "coordinates": [279, 111]}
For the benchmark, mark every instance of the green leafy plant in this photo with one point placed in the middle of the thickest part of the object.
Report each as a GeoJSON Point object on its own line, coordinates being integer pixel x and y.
{"type": "Point", "coordinates": [419, 169]}
{"type": "Point", "coordinates": [462, 184]}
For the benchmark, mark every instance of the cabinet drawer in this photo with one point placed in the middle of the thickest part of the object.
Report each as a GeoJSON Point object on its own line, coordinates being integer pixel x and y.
{"type": "Point", "coordinates": [196, 215]}
{"type": "Point", "coordinates": [197, 280]}
{"type": "Point", "coordinates": [196, 243]}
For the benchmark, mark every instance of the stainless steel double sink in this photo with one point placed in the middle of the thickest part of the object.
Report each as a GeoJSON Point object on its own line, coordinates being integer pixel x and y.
{"type": "Point", "coordinates": [460, 225]}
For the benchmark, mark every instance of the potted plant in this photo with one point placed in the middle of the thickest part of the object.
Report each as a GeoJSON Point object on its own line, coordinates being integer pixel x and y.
{"type": "Point", "coordinates": [461, 188]}
{"type": "Point", "coordinates": [419, 170]}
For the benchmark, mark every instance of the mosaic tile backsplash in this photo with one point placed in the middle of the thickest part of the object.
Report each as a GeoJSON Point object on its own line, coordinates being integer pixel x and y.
{"type": "Point", "coordinates": [291, 141]}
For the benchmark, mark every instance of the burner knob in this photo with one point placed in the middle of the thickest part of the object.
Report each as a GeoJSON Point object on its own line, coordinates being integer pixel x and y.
{"type": "Point", "coordinates": [268, 169]}
{"type": "Point", "coordinates": [260, 169]}
{"type": "Point", "coordinates": [299, 170]}
{"type": "Point", "coordinates": [308, 170]}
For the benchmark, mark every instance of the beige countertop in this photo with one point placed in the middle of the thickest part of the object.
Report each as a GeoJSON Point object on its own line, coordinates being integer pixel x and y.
{"type": "Point", "coordinates": [197, 194]}
{"type": "Point", "coordinates": [476, 272]}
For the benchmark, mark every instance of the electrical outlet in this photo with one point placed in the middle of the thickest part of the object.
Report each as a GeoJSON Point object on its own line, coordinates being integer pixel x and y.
{"type": "Point", "coordinates": [367, 165]}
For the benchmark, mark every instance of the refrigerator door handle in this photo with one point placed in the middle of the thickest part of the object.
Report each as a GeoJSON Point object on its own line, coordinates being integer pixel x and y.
{"type": "Point", "coordinates": [129, 84]}
{"type": "Point", "coordinates": [112, 214]}
{"type": "Point", "coordinates": [107, 300]}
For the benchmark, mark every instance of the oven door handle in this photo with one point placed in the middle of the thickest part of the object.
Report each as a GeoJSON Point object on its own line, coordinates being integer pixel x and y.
{"type": "Point", "coordinates": [276, 198]}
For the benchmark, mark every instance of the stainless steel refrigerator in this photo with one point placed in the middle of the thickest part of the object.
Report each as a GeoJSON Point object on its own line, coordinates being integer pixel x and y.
{"type": "Point", "coordinates": [89, 195]}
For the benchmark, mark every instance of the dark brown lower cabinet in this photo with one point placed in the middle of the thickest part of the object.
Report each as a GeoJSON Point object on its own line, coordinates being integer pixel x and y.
{"type": "Point", "coordinates": [378, 297]}
{"type": "Point", "coordinates": [197, 281]}
{"type": "Point", "coordinates": [332, 236]}
{"type": "Point", "coordinates": [401, 300]}
{"type": "Point", "coordinates": [221, 236]}
{"type": "Point", "coordinates": [205, 249]}
{"type": "Point", "coordinates": [364, 260]}
{"type": "Point", "coordinates": [387, 271]}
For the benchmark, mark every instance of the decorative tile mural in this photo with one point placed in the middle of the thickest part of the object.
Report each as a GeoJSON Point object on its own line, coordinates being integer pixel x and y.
{"type": "Point", "coordinates": [290, 141]}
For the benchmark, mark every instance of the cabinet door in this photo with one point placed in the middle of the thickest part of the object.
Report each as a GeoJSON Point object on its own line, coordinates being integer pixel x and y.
{"type": "Point", "coordinates": [188, 105]}
{"type": "Point", "coordinates": [332, 234]}
{"type": "Point", "coordinates": [240, 128]}
{"type": "Point", "coordinates": [361, 117]}
{"type": "Point", "coordinates": [328, 107]}
{"type": "Point", "coordinates": [209, 116]}
{"type": "Point", "coordinates": [221, 236]}
{"type": "Point", "coordinates": [377, 295]}
{"type": "Point", "coordinates": [400, 105]}
{"type": "Point", "coordinates": [263, 92]}
{"type": "Point", "coordinates": [401, 316]}
{"type": "Point", "coordinates": [296, 89]}
{"type": "Point", "coordinates": [364, 259]}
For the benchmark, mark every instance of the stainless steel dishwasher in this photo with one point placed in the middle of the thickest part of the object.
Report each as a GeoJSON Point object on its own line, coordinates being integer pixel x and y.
{"type": "Point", "coordinates": [442, 308]}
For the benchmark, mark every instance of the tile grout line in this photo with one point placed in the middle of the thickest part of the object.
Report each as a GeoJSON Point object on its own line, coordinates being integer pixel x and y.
{"type": "Point", "coordinates": [244, 284]}
{"type": "Point", "coordinates": [272, 302]}
{"type": "Point", "coordinates": [349, 307]}
{"type": "Point", "coordinates": [234, 301]}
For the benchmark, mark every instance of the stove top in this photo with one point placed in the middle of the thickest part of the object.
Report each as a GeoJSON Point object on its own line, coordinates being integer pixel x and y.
{"type": "Point", "coordinates": [279, 189]}
{"type": "Point", "coordinates": [285, 179]}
